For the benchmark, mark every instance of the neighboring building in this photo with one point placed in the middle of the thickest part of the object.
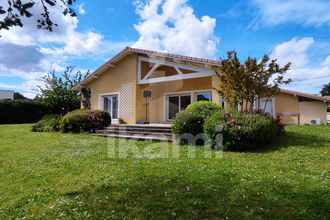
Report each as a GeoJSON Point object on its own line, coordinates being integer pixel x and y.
{"type": "Point", "coordinates": [174, 82]}
{"type": "Point", "coordinates": [6, 95]}
{"type": "Point", "coordinates": [298, 108]}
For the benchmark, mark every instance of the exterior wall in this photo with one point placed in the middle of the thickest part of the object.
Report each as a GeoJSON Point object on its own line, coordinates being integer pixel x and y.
{"type": "Point", "coordinates": [159, 92]}
{"type": "Point", "coordinates": [313, 109]}
{"type": "Point", "coordinates": [287, 103]}
{"type": "Point", "coordinates": [114, 80]}
{"type": "Point", "coordinates": [307, 109]}
{"type": "Point", "coordinates": [5, 94]}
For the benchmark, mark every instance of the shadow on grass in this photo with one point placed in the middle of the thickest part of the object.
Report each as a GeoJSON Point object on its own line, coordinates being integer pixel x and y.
{"type": "Point", "coordinates": [150, 197]}
{"type": "Point", "coordinates": [291, 139]}
{"type": "Point", "coordinates": [294, 139]}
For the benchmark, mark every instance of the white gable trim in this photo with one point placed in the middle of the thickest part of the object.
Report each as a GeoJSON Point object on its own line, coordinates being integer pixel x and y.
{"type": "Point", "coordinates": [199, 71]}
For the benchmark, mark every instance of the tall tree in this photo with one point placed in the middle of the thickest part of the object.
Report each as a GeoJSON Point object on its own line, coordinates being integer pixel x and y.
{"type": "Point", "coordinates": [325, 90]}
{"type": "Point", "coordinates": [12, 12]}
{"type": "Point", "coordinates": [57, 93]}
{"type": "Point", "coordinates": [242, 83]}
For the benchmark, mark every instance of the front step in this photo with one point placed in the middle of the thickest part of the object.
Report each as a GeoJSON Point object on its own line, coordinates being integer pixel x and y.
{"type": "Point", "coordinates": [138, 132]}
{"type": "Point", "coordinates": [137, 137]}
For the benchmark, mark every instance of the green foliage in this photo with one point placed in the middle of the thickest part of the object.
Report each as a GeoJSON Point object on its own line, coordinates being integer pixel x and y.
{"type": "Point", "coordinates": [240, 132]}
{"type": "Point", "coordinates": [241, 83]}
{"type": "Point", "coordinates": [86, 95]}
{"type": "Point", "coordinates": [203, 109]}
{"type": "Point", "coordinates": [326, 90]}
{"type": "Point", "coordinates": [186, 125]}
{"type": "Point", "coordinates": [81, 120]}
{"type": "Point", "coordinates": [191, 121]}
{"type": "Point", "coordinates": [49, 123]}
{"type": "Point", "coordinates": [99, 119]}
{"type": "Point", "coordinates": [21, 111]}
{"type": "Point", "coordinates": [76, 121]}
{"type": "Point", "coordinates": [14, 12]}
{"type": "Point", "coordinates": [57, 94]}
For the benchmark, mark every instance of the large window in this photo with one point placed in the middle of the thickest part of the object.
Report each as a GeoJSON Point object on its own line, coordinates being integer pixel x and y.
{"type": "Point", "coordinates": [111, 105]}
{"type": "Point", "coordinates": [176, 104]}
{"type": "Point", "coordinates": [206, 96]}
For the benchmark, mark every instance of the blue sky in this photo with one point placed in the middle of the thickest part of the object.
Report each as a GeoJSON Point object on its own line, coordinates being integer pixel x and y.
{"type": "Point", "coordinates": [295, 31]}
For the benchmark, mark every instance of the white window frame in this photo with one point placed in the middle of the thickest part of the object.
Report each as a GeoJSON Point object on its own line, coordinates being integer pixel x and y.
{"type": "Point", "coordinates": [193, 98]}
{"type": "Point", "coordinates": [101, 103]}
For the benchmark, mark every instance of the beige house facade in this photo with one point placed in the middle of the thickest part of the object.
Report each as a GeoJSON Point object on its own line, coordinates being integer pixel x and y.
{"type": "Point", "coordinates": [138, 86]}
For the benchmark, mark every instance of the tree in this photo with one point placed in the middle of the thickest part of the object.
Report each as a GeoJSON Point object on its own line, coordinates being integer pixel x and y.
{"type": "Point", "coordinates": [57, 94]}
{"type": "Point", "coordinates": [325, 90]}
{"type": "Point", "coordinates": [12, 12]}
{"type": "Point", "coordinates": [86, 97]}
{"type": "Point", "coordinates": [242, 83]}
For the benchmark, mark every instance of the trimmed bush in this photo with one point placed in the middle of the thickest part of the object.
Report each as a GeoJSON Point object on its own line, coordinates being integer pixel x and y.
{"type": "Point", "coordinates": [84, 120]}
{"type": "Point", "coordinates": [99, 119]}
{"type": "Point", "coordinates": [240, 131]}
{"type": "Point", "coordinates": [49, 123]}
{"type": "Point", "coordinates": [203, 109]}
{"type": "Point", "coordinates": [21, 111]}
{"type": "Point", "coordinates": [186, 125]}
{"type": "Point", "coordinates": [191, 121]}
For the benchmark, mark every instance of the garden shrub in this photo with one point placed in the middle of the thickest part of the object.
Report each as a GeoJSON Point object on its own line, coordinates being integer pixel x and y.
{"type": "Point", "coordinates": [99, 119]}
{"type": "Point", "coordinates": [191, 121]}
{"type": "Point", "coordinates": [186, 124]}
{"type": "Point", "coordinates": [203, 108]}
{"type": "Point", "coordinates": [49, 123]}
{"type": "Point", "coordinates": [240, 131]}
{"type": "Point", "coordinates": [84, 120]}
{"type": "Point", "coordinates": [21, 111]}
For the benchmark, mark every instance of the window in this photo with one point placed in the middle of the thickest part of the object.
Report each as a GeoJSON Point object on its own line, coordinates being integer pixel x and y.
{"type": "Point", "coordinates": [110, 104]}
{"type": "Point", "coordinates": [176, 104]}
{"type": "Point", "coordinates": [207, 96]}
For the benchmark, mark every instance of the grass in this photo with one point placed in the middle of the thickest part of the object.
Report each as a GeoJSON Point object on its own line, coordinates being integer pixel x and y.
{"type": "Point", "coordinates": [53, 175]}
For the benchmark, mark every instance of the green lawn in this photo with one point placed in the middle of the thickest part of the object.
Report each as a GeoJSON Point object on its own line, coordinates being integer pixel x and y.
{"type": "Point", "coordinates": [53, 175]}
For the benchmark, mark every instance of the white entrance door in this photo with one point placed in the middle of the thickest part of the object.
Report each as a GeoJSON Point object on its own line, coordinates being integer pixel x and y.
{"type": "Point", "coordinates": [111, 105]}
{"type": "Point", "coordinates": [176, 104]}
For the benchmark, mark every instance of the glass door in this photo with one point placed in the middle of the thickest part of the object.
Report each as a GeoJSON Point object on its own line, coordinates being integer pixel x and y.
{"type": "Point", "coordinates": [111, 105]}
{"type": "Point", "coordinates": [176, 104]}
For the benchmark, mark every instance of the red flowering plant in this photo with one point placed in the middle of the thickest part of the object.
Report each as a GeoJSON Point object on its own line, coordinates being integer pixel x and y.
{"type": "Point", "coordinates": [240, 131]}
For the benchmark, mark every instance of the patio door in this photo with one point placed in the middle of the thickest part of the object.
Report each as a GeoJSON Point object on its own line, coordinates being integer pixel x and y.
{"type": "Point", "coordinates": [176, 104]}
{"type": "Point", "coordinates": [111, 105]}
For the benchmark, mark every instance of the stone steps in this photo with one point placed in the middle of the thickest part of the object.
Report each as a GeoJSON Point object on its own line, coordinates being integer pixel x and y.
{"type": "Point", "coordinates": [138, 132]}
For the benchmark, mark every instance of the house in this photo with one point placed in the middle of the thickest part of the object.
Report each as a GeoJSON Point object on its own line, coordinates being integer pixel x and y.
{"type": "Point", "coordinates": [6, 95]}
{"type": "Point", "coordinates": [139, 85]}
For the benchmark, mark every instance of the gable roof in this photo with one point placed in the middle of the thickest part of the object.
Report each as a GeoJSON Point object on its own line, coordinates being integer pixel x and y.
{"type": "Point", "coordinates": [306, 95]}
{"type": "Point", "coordinates": [130, 50]}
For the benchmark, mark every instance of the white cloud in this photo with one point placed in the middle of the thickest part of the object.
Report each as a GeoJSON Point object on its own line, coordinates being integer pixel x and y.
{"type": "Point", "coordinates": [308, 13]}
{"type": "Point", "coordinates": [306, 78]}
{"type": "Point", "coordinates": [294, 51]}
{"type": "Point", "coordinates": [35, 52]}
{"type": "Point", "coordinates": [172, 26]}
{"type": "Point", "coordinates": [81, 9]}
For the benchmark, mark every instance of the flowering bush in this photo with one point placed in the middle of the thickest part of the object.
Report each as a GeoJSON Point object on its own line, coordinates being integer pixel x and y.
{"type": "Point", "coordinates": [84, 120]}
{"type": "Point", "coordinates": [99, 119]}
{"type": "Point", "coordinates": [240, 131]}
{"type": "Point", "coordinates": [191, 121]}
{"type": "Point", "coordinates": [186, 126]}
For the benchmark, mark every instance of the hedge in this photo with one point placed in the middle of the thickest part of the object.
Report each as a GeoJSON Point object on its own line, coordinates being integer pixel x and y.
{"type": "Point", "coordinates": [21, 111]}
